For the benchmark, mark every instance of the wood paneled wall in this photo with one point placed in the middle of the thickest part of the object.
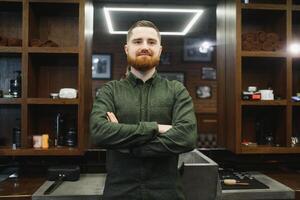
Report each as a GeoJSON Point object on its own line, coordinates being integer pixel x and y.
{"type": "Point", "coordinates": [206, 109]}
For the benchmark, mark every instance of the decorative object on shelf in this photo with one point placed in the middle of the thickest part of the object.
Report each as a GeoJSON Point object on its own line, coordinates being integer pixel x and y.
{"type": "Point", "coordinates": [59, 130]}
{"type": "Point", "coordinates": [8, 96]}
{"type": "Point", "coordinates": [68, 93]}
{"type": "Point", "coordinates": [192, 50]}
{"type": "Point", "coordinates": [39, 43]}
{"type": "Point", "coordinates": [261, 41]}
{"type": "Point", "coordinates": [208, 73]}
{"type": "Point", "coordinates": [295, 141]}
{"type": "Point", "coordinates": [54, 95]}
{"type": "Point", "coordinates": [179, 76]}
{"type": "Point", "coordinates": [15, 85]}
{"type": "Point", "coordinates": [296, 98]}
{"type": "Point", "coordinates": [266, 94]}
{"type": "Point", "coordinates": [16, 136]}
{"type": "Point", "coordinates": [71, 138]}
{"type": "Point", "coordinates": [165, 58]}
{"type": "Point", "coordinates": [251, 94]}
{"type": "Point", "coordinates": [37, 141]}
{"type": "Point", "coordinates": [204, 92]}
{"type": "Point", "coordinates": [13, 42]}
{"type": "Point", "coordinates": [45, 141]}
{"type": "Point", "coordinates": [101, 66]}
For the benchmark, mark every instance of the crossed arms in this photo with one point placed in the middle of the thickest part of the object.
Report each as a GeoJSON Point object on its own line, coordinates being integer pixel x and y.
{"type": "Point", "coordinates": [144, 138]}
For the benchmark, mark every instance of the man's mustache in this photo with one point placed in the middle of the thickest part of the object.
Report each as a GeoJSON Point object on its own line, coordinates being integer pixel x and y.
{"type": "Point", "coordinates": [149, 53]}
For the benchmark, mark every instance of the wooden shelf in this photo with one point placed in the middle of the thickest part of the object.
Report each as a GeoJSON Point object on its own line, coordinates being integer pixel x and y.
{"type": "Point", "coordinates": [10, 100]}
{"type": "Point", "coordinates": [263, 6]}
{"type": "Point", "coordinates": [265, 103]}
{"type": "Point", "coordinates": [62, 151]}
{"type": "Point", "coordinates": [263, 54]}
{"type": "Point", "coordinates": [45, 70]}
{"type": "Point", "coordinates": [5, 49]}
{"type": "Point", "coordinates": [269, 150]}
{"type": "Point", "coordinates": [295, 103]}
{"type": "Point", "coordinates": [55, 1]}
{"type": "Point", "coordinates": [53, 50]}
{"type": "Point", "coordinates": [296, 8]}
{"type": "Point", "coordinates": [52, 101]}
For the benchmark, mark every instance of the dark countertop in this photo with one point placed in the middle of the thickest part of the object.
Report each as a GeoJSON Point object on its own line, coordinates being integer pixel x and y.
{"type": "Point", "coordinates": [20, 188]}
{"type": "Point", "coordinates": [27, 187]}
{"type": "Point", "coordinates": [288, 178]}
{"type": "Point", "coordinates": [276, 190]}
{"type": "Point", "coordinates": [88, 187]}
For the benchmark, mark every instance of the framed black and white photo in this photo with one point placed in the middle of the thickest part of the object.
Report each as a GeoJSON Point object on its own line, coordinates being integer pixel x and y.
{"type": "Point", "coordinates": [204, 92]}
{"type": "Point", "coordinates": [101, 66]}
{"type": "Point", "coordinates": [192, 51]}
{"type": "Point", "coordinates": [165, 58]}
{"type": "Point", "coordinates": [179, 76]}
{"type": "Point", "coordinates": [208, 73]}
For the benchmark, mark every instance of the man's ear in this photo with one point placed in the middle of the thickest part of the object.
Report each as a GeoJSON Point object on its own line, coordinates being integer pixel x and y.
{"type": "Point", "coordinates": [126, 49]}
{"type": "Point", "coordinates": [161, 48]}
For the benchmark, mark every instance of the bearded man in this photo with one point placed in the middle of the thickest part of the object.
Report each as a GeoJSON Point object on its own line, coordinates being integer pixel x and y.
{"type": "Point", "coordinates": [144, 121]}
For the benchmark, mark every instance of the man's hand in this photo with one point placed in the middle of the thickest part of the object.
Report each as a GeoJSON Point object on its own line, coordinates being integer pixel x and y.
{"type": "Point", "coordinates": [111, 117]}
{"type": "Point", "coordinates": [162, 128]}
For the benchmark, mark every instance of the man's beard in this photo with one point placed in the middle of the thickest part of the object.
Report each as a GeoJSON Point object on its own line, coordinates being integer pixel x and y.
{"type": "Point", "coordinates": [143, 63]}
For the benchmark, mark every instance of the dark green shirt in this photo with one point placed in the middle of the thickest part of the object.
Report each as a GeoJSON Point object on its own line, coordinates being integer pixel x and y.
{"type": "Point", "coordinates": [141, 163]}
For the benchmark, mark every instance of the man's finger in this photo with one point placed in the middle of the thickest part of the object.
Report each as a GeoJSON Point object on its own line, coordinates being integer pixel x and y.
{"type": "Point", "coordinates": [112, 117]}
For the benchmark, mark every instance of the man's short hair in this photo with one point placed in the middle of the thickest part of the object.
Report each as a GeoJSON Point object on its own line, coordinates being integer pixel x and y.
{"type": "Point", "coordinates": [142, 23]}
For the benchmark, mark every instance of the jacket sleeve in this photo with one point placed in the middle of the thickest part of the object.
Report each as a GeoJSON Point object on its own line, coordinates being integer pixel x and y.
{"type": "Point", "coordinates": [181, 137]}
{"type": "Point", "coordinates": [110, 135]}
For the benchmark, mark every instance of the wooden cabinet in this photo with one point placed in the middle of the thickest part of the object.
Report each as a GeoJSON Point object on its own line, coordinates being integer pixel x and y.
{"type": "Point", "coordinates": [50, 43]}
{"type": "Point", "coordinates": [259, 126]}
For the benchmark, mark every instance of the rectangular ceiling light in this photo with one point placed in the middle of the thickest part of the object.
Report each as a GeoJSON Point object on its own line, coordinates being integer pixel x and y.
{"type": "Point", "coordinates": [195, 12]}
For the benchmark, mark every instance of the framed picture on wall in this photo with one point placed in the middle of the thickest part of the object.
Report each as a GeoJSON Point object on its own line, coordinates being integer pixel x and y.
{"type": "Point", "coordinates": [192, 52]}
{"type": "Point", "coordinates": [179, 76]}
{"type": "Point", "coordinates": [208, 73]}
{"type": "Point", "coordinates": [101, 66]}
{"type": "Point", "coordinates": [204, 92]}
{"type": "Point", "coordinates": [165, 58]}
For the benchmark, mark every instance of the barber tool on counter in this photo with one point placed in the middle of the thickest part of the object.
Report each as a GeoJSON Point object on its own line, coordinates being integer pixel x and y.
{"type": "Point", "coordinates": [61, 174]}
{"type": "Point", "coordinates": [234, 182]}
{"type": "Point", "coordinates": [16, 86]}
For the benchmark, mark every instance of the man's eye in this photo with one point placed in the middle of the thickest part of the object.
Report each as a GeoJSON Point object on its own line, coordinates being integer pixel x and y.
{"type": "Point", "coordinates": [152, 42]}
{"type": "Point", "coordinates": [136, 42]}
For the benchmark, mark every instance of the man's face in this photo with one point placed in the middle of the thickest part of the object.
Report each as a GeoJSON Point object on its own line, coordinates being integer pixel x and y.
{"type": "Point", "coordinates": [143, 48]}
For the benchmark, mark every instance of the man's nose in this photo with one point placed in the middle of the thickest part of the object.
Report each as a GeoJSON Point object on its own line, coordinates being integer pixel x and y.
{"type": "Point", "coordinates": [145, 45]}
